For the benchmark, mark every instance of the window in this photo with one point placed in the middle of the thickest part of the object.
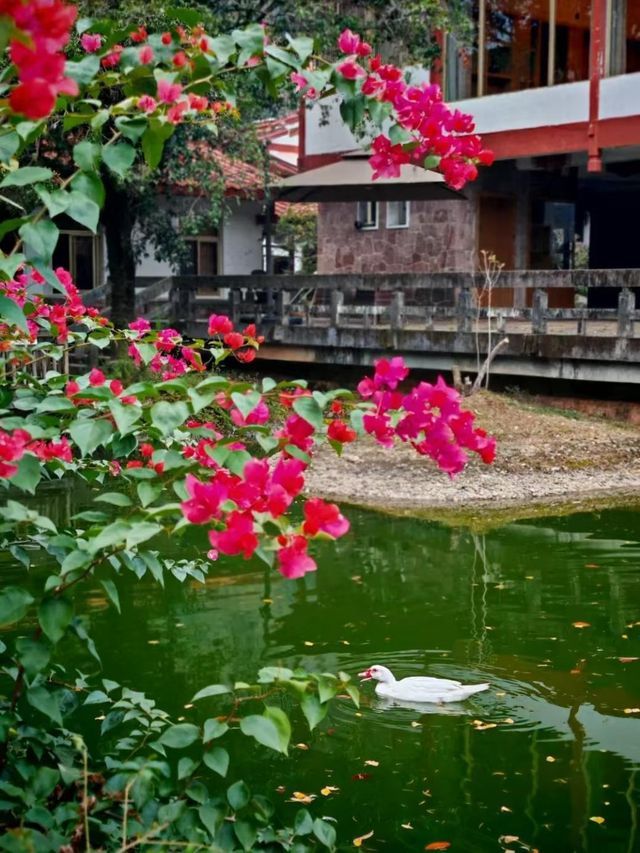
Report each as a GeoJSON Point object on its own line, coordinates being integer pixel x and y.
{"type": "Point", "coordinates": [517, 46]}
{"type": "Point", "coordinates": [204, 256]}
{"type": "Point", "coordinates": [397, 214]}
{"type": "Point", "coordinates": [80, 253]}
{"type": "Point", "coordinates": [367, 214]}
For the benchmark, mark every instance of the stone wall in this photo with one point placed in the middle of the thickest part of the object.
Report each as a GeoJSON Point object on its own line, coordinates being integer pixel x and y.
{"type": "Point", "coordinates": [441, 236]}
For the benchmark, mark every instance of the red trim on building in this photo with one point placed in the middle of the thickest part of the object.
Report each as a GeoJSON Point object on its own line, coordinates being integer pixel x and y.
{"type": "Point", "coordinates": [302, 134]}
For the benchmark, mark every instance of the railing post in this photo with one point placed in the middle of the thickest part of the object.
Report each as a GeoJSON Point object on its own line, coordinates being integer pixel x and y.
{"type": "Point", "coordinates": [539, 312]}
{"type": "Point", "coordinates": [182, 302]}
{"type": "Point", "coordinates": [281, 307]}
{"type": "Point", "coordinates": [626, 307]}
{"type": "Point", "coordinates": [235, 299]}
{"type": "Point", "coordinates": [464, 309]}
{"type": "Point", "coordinates": [396, 311]}
{"type": "Point", "coordinates": [337, 301]}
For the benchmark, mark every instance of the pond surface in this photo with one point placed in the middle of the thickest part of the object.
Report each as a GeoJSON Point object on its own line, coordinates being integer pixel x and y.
{"type": "Point", "coordinates": [554, 743]}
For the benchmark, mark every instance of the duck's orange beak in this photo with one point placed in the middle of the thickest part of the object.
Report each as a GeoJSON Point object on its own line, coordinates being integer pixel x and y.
{"type": "Point", "coordinates": [366, 675]}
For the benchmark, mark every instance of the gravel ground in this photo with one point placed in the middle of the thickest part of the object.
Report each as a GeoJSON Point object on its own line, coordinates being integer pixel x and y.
{"type": "Point", "coordinates": [544, 457]}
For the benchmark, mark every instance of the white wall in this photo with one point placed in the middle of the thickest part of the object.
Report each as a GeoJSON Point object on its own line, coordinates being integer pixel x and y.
{"type": "Point", "coordinates": [620, 96]}
{"type": "Point", "coordinates": [241, 239]}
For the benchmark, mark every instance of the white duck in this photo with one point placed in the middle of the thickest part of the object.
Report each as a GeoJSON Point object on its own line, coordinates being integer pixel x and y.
{"type": "Point", "coordinates": [420, 689]}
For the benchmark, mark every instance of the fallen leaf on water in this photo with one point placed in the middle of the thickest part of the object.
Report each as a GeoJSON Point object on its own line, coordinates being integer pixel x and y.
{"type": "Point", "coordinates": [480, 726]}
{"type": "Point", "coordinates": [301, 746]}
{"type": "Point", "coordinates": [356, 578]}
{"type": "Point", "coordinates": [406, 826]}
{"type": "Point", "coordinates": [330, 789]}
{"type": "Point", "coordinates": [153, 642]}
{"type": "Point", "coordinates": [438, 845]}
{"type": "Point", "coordinates": [372, 763]}
{"type": "Point", "coordinates": [281, 789]}
{"type": "Point", "coordinates": [300, 797]}
{"type": "Point", "coordinates": [267, 600]}
{"type": "Point", "coordinates": [415, 724]}
{"type": "Point", "coordinates": [345, 642]}
{"type": "Point", "coordinates": [189, 705]}
{"type": "Point", "coordinates": [505, 809]}
{"type": "Point", "coordinates": [308, 643]}
{"type": "Point", "coordinates": [358, 777]}
{"type": "Point", "coordinates": [550, 759]}
{"type": "Point", "coordinates": [591, 566]}
{"type": "Point", "coordinates": [508, 839]}
{"type": "Point", "coordinates": [581, 624]}
{"type": "Point", "coordinates": [357, 842]}
{"type": "Point", "coordinates": [628, 660]}
{"type": "Point", "coordinates": [500, 693]}
{"type": "Point", "coordinates": [632, 710]}
{"type": "Point", "coordinates": [508, 721]}
{"type": "Point", "coordinates": [597, 819]}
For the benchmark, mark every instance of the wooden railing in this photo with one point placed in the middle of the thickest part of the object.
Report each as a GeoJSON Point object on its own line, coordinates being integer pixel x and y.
{"type": "Point", "coordinates": [456, 301]}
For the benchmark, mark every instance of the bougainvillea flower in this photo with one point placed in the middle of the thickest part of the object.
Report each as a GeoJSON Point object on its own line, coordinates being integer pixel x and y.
{"type": "Point", "coordinates": [12, 448]}
{"type": "Point", "coordinates": [238, 537]}
{"type": "Point", "coordinates": [293, 561]}
{"type": "Point", "coordinates": [341, 432]}
{"type": "Point", "coordinates": [320, 516]}
{"type": "Point", "coordinates": [204, 500]}
{"type": "Point", "coordinates": [219, 325]}
{"type": "Point", "coordinates": [91, 42]}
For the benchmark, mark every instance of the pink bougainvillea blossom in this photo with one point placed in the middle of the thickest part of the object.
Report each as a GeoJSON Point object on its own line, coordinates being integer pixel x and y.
{"type": "Point", "coordinates": [293, 560]}
{"type": "Point", "coordinates": [322, 517]}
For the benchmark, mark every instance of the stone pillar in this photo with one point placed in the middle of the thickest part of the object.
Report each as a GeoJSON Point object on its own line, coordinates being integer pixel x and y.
{"type": "Point", "coordinates": [626, 307]}
{"type": "Point", "coordinates": [337, 300]}
{"type": "Point", "coordinates": [539, 312]}
{"type": "Point", "coordinates": [396, 310]}
{"type": "Point", "coordinates": [464, 310]}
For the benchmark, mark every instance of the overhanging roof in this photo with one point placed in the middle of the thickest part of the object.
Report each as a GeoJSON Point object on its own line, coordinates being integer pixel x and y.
{"type": "Point", "coordinates": [350, 179]}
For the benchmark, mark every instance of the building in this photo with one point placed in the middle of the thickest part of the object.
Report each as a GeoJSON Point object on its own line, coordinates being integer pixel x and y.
{"type": "Point", "coordinates": [237, 247]}
{"type": "Point", "coordinates": [554, 86]}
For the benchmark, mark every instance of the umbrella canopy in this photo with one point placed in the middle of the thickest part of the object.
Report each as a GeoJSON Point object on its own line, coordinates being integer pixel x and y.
{"type": "Point", "coordinates": [350, 179]}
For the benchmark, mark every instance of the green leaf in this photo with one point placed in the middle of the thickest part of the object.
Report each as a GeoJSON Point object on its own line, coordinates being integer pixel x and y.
{"type": "Point", "coordinates": [246, 403]}
{"type": "Point", "coordinates": [212, 816]}
{"type": "Point", "coordinates": [9, 144]}
{"type": "Point", "coordinates": [119, 158]}
{"type": "Point", "coordinates": [141, 531]}
{"type": "Point", "coordinates": [200, 400]}
{"type": "Point", "coordinates": [26, 175]}
{"type": "Point", "coordinates": [246, 833]}
{"type": "Point", "coordinates": [148, 492]}
{"type": "Point", "coordinates": [33, 655]}
{"type": "Point", "coordinates": [125, 416]}
{"type": "Point", "coordinates": [28, 475]}
{"type": "Point", "coordinates": [325, 833]}
{"type": "Point", "coordinates": [12, 314]}
{"type": "Point", "coordinates": [303, 823]}
{"type": "Point", "coordinates": [211, 690]}
{"type": "Point", "coordinates": [303, 46]}
{"type": "Point", "coordinates": [153, 140]}
{"type": "Point", "coordinates": [14, 603]}
{"type": "Point", "coordinates": [90, 185]}
{"type": "Point", "coordinates": [272, 729]}
{"type": "Point", "coordinates": [56, 202]}
{"type": "Point", "coordinates": [55, 615]}
{"type": "Point", "coordinates": [224, 47]}
{"type": "Point", "coordinates": [96, 697]}
{"type": "Point", "coordinates": [269, 674]}
{"type": "Point", "coordinates": [238, 795]}
{"type": "Point", "coordinates": [132, 127]}
{"type": "Point", "coordinates": [86, 155]}
{"type": "Point", "coordinates": [55, 404]}
{"type": "Point", "coordinates": [309, 411]}
{"type": "Point", "coordinates": [313, 710]}
{"type": "Point", "coordinates": [180, 735]}
{"type": "Point", "coordinates": [90, 433]}
{"type": "Point", "coordinates": [112, 534]}
{"type": "Point", "coordinates": [186, 766]}
{"type": "Point", "coordinates": [40, 239]}
{"type": "Point", "coordinates": [84, 70]}
{"type": "Point", "coordinates": [213, 728]}
{"type": "Point", "coordinates": [112, 591]}
{"type": "Point", "coordinates": [169, 416]}
{"type": "Point", "coordinates": [9, 225]}
{"type": "Point", "coordinates": [45, 702]}
{"type": "Point", "coordinates": [114, 498]}
{"type": "Point", "coordinates": [83, 210]}
{"type": "Point", "coordinates": [217, 759]}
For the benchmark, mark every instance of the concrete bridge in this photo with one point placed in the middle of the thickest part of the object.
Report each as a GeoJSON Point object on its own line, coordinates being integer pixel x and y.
{"type": "Point", "coordinates": [437, 321]}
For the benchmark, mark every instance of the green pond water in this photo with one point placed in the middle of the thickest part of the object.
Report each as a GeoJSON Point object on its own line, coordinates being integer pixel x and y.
{"type": "Point", "coordinates": [423, 598]}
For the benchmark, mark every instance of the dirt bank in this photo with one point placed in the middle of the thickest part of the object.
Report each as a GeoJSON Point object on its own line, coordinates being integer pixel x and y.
{"type": "Point", "coordinates": [545, 457]}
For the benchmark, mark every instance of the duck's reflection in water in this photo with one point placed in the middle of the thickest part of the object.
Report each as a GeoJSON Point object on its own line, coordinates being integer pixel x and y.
{"type": "Point", "coordinates": [386, 703]}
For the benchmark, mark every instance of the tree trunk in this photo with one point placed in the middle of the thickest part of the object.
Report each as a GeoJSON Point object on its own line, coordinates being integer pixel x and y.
{"type": "Point", "coordinates": [118, 218]}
